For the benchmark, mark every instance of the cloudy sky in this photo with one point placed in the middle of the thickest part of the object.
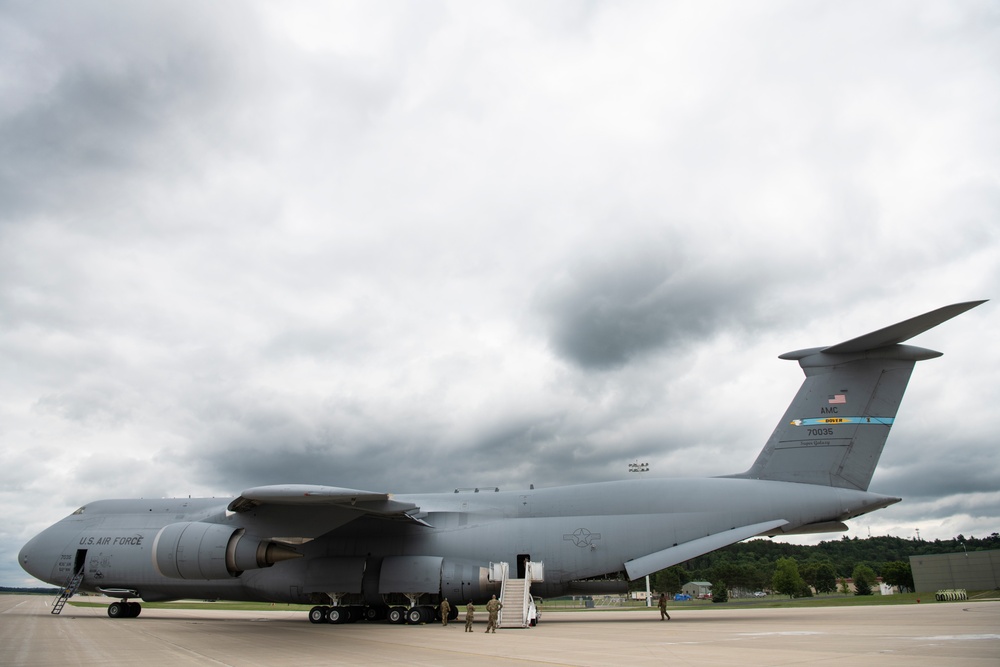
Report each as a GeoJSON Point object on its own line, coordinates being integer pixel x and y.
{"type": "Point", "coordinates": [412, 246]}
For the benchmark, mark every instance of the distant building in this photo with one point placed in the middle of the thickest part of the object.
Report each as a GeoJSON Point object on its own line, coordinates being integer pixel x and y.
{"type": "Point", "coordinates": [697, 589]}
{"type": "Point", "coordinates": [975, 570]}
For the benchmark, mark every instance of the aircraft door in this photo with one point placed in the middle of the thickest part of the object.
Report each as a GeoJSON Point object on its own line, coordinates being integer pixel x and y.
{"type": "Point", "coordinates": [522, 568]}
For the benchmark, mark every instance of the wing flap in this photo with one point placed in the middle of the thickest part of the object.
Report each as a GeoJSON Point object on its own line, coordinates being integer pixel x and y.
{"type": "Point", "coordinates": [654, 562]}
{"type": "Point", "coordinates": [811, 529]}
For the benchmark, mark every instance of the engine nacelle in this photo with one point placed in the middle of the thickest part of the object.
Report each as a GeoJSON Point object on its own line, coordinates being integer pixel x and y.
{"type": "Point", "coordinates": [196, 550]}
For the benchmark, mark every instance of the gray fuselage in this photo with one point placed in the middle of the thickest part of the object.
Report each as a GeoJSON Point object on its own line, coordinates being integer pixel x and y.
{"type": "Point", "coordinates": [577, 532]}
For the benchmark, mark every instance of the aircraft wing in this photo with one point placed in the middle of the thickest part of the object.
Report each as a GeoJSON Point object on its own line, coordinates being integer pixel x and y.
{"type": "Point", "coordinates": [640, 567]}
{"type": "Point", "coordinates": [355, 502]}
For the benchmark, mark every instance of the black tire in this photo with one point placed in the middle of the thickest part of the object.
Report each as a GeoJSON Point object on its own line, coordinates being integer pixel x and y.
{"type": "Point", "coordinates": [416, 616]}
{"type": "Point", "coordinates": [317, 614]}
{"type": "Point", "coordinates": [134, 609]}
{"type": "Point", "coordinates": [375, 613]}
{"type": "Point", "coordinates": [117, 610]}
{"type": "Point", "coordinates": [397, 615]}
{"type": "Point", "coordinates": [338, 615]}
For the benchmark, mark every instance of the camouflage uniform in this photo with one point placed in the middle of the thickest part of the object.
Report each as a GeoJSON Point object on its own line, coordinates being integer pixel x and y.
{"type": "Point", "coordinates": [445, 610]}
{"type": "Point", "coordinates": [493, 607]}
{"type": "Point", "coordinates": [470, 611]}
{"type": "Point", "coordinates": [663, 606]}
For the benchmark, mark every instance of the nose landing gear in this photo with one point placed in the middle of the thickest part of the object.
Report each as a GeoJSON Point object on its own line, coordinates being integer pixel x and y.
{"type": "Point", "coordinates": [124, 609]}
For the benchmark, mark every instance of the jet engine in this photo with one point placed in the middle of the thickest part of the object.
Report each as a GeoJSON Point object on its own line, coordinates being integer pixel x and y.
{"type": "Point", "coordinates": [196, 550]}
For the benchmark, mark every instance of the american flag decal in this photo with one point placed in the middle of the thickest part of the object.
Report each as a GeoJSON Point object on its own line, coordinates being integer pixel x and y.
{"type": "Point", "coordinates": [838, 398]}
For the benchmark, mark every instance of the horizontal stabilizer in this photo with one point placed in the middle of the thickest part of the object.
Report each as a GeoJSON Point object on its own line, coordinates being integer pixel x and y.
{"type": "Point", "coordinates": [654, 562]}
{"type": "Point", "coordinates": [902, 331]}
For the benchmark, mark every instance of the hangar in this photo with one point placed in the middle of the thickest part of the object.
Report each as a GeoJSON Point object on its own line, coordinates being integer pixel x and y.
{"type": "Point", "coordinates": [697, 589]}
{"type": "Point", "coordinates": [975, 570]}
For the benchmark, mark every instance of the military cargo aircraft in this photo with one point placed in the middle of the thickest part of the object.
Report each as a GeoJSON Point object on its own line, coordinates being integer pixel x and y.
{"type": "Point", "coordinates": [357, 554]}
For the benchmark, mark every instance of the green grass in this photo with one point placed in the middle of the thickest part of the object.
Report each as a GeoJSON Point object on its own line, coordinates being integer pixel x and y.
{"type": "Point", "coordinates": [779, 601]}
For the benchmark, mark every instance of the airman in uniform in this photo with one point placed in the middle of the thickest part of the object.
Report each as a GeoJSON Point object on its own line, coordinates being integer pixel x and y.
{"type": "Point", "coordinates": [663, 607]}
{"type": "Point", "coordinates": [470, 611]}
{"type": "Point", "coordinates": [493, 607]}
{"type": "Point", "coordinates": [445, 609]}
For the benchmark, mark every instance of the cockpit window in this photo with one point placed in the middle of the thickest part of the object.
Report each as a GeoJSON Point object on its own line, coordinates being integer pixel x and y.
{"type": "Point", "coordinates": [79, 511]}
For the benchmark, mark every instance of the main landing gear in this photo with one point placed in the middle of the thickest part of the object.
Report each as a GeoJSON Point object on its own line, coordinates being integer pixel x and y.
{"type": "Point", "coordinates": [395, 615]}
{"type": "Point", "coordinates": [342, 614]}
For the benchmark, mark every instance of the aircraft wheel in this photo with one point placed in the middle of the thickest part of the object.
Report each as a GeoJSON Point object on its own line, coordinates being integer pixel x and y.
{"type": "Point", "coordinates": [338, 615]}
{"type": "Point", "coordinates": [375, 613]}
{"type": "Point", "coordinates": [397, 615]}
{"type": "Point", "coordinates": [415, 616]}
{"type": "Point", "coordinates": [117, 610]}
{"type": "Point", "coordinates": [134, 609]}
{"type": "Point", "coordinates": [317, 615]}
{"type": "Point", "coordinates": [357, 613]}
{"type": "Point", "coordinates": [453, 614]}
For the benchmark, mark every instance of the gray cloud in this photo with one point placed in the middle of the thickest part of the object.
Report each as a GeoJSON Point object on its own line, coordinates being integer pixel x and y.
{"type": "Point", "coordinates": [118, 94]}
{"type": "Point", "coordinates": [603, 314]}
{"type": "Point", "coordinates": [945, 467]}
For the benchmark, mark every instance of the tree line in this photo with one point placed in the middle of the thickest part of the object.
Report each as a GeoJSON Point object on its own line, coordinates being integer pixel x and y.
{"type": "Point", "coordinates": [798, 570]}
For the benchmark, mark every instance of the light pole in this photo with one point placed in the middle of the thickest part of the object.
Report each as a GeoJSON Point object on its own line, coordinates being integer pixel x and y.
{"type": "Point", "coordinates": [640, 468]}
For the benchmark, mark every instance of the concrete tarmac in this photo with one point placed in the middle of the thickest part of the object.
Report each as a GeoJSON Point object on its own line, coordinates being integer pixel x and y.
{"type": "Point", "coordinates": [943, 633]}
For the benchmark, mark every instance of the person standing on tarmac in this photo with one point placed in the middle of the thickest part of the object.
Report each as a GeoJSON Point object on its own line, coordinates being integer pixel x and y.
{"type": "Point", "coordinates": [470, 611]}
{"type": "Point", "coordinates": [493, 607]}
{"type": "Point", "coordinates": [445, 609]}
{"type": "Point", "coordinates": [663, 606]}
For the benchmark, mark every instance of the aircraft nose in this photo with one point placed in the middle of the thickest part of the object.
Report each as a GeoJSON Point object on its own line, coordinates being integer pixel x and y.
{"type": "Point", "coordinates": [32, 561]}
{"type": "Point", "coordinates": [24, 556]}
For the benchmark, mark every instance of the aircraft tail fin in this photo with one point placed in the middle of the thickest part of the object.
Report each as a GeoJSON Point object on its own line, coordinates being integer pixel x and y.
{"type": "Point", "coordinates": [835, 428]}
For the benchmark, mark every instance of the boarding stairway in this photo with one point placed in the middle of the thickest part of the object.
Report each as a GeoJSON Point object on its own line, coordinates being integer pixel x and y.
{"type": "Point", "coordinates": [67, 592]}
{"type": "Point", "coordinates": [515, 596]}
